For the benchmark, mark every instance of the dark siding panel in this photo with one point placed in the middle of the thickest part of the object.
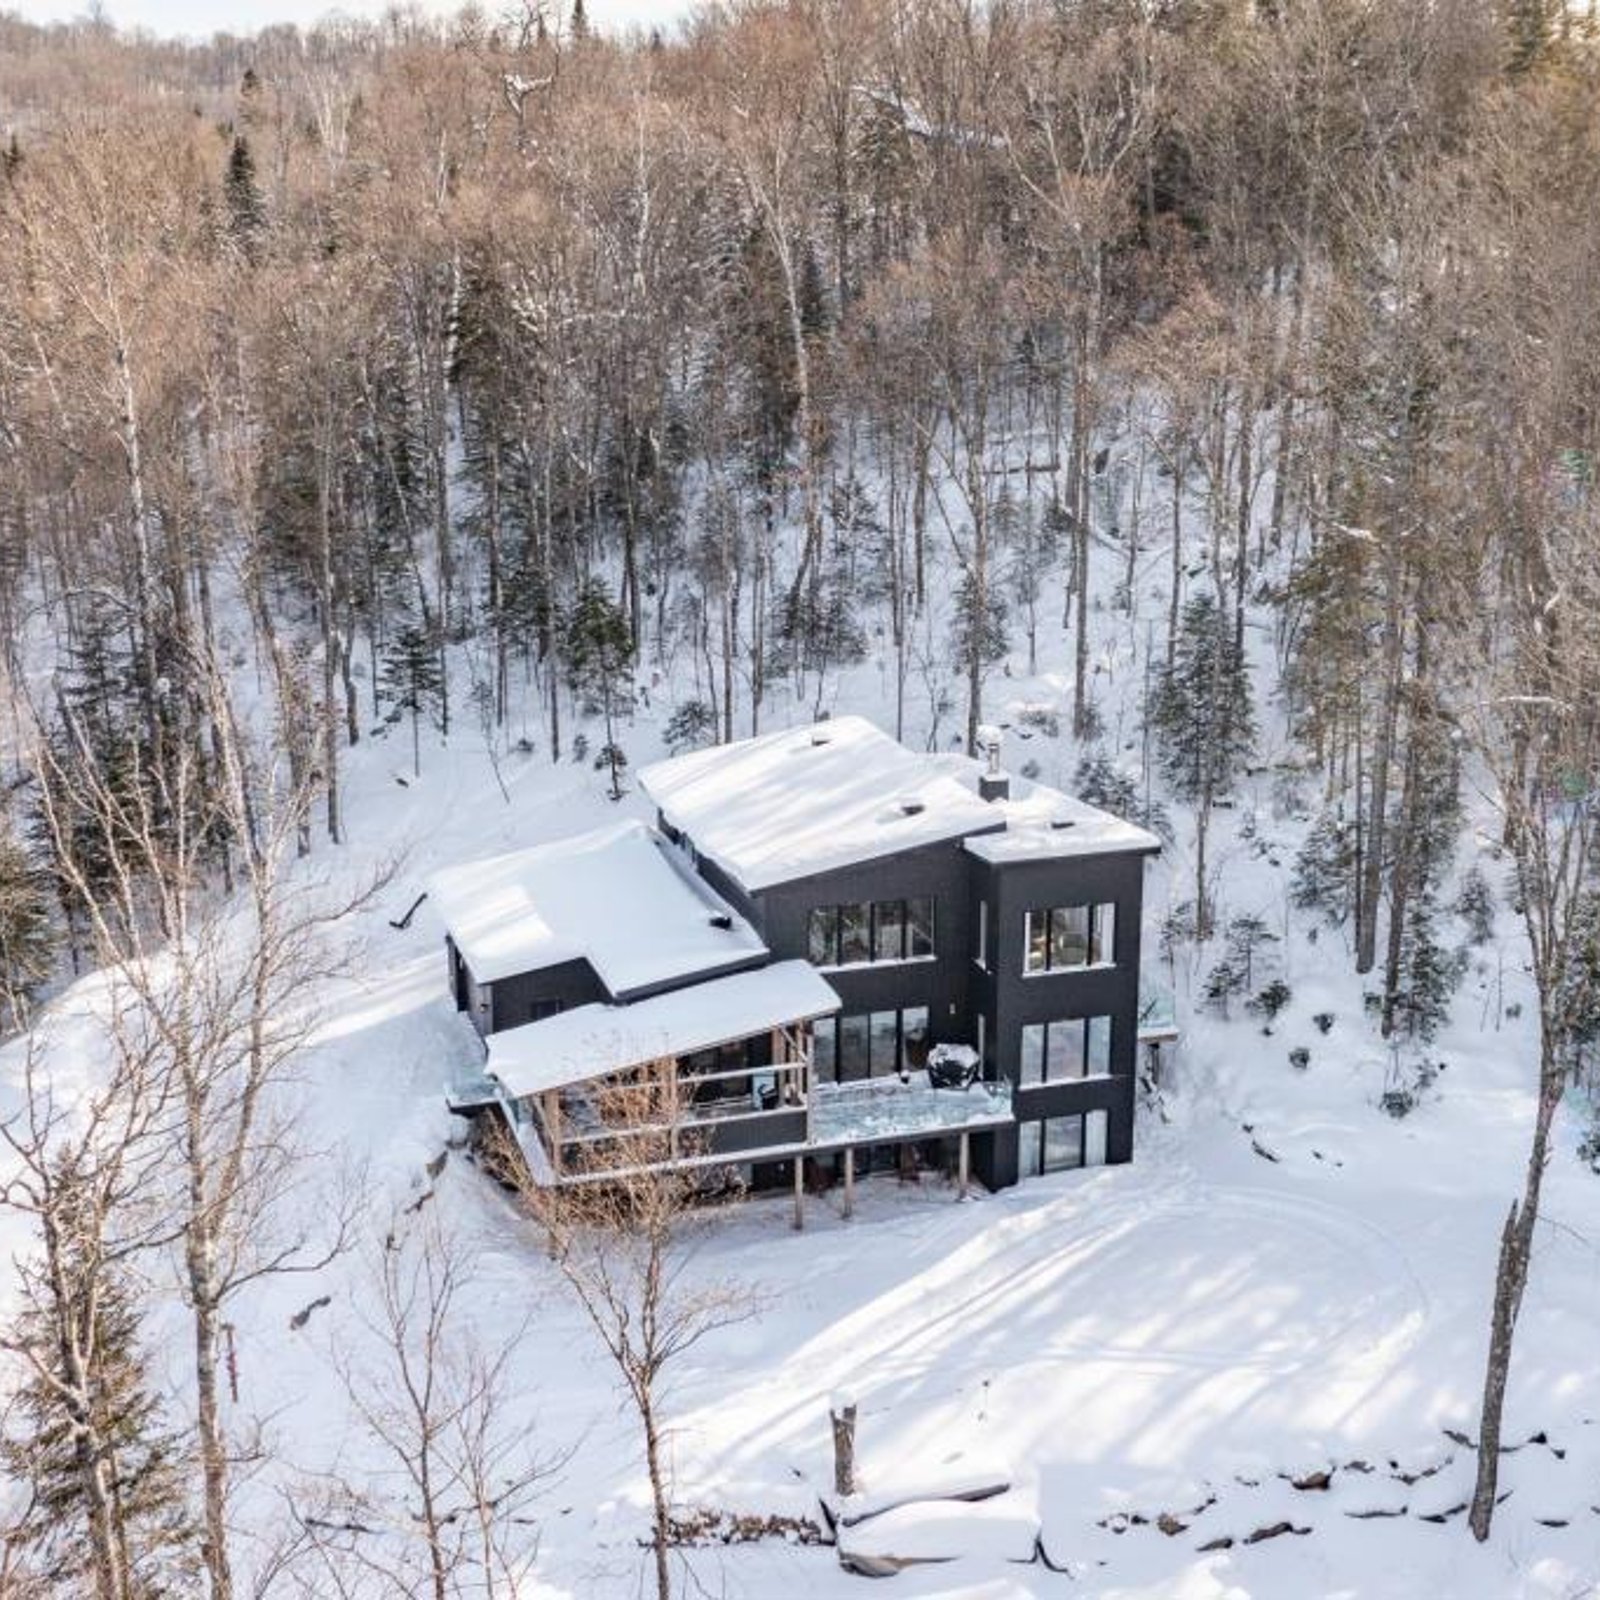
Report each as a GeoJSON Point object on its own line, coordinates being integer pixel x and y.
{"type": "Point", "coordinates": [783, 916]}
{"type": "Point", "coordinates": [1022, 886]}
{"type": "Point", "coordinates": [571, 983]}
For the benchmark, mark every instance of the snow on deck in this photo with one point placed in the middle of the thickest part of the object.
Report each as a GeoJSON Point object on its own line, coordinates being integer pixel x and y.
{"type": "Point", "coordinates": [597, 1040]}
{"type": "Point", "coordinates": [887, 1108]}
{"type": "Point", "coordinates": [614, 897]}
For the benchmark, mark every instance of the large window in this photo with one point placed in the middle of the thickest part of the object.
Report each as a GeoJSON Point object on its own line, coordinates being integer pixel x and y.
{"type": "Point", "coordinates": [1060, 1144]}
{"type": "Point", "coordinates": [865, 931]}
{"type": "Point", "coordinates": [1076, 1047]}
{"type": "Point", "coordinates": [1060, 938]}
{"type": "Point", "coordinates": [869, 1044]}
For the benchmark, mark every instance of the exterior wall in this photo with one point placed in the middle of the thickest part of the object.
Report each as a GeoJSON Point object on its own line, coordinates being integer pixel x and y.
{"type": "Point", "coordinates": [511, 1001]}
{"type": "Point", "coordinates": [782, 916]}
{"type": "Point", "coordinates": [1011, 998]}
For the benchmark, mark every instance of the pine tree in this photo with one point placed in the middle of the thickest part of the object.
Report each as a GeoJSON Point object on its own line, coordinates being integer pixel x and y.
{"type": "Point", "coordinates": [1099, 782]}
{"type": "Point", "coordinates": [1474, 905]}
{"type": "Point", "coordinates": [1428, 977]}
{"type": "Point", "coordinates": [1324, 870]}
{"type": "Point", "coordinates": [97, 1412]}
{"type": "Point", "coordinates": [1202, 716]}
{"type": "Point", "coordinates": [247, 214]}
{"type": "Point", "coordinates": [599, 657]}
{"type": "Point", "coordinates": [1248, 940]}
{"type": "Point", "coordinates": [27, 938]}
{"type": "Point", "coordinates": [413, 682]}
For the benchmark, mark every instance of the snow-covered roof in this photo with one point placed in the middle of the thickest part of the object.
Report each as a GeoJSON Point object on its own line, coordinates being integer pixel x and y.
{"type": "Point", "coordinates": [616, 897]}
{"type": "Point", "coordinates": [788, 805]}
{"type": "Point", "coordinates": [1044, 824]}
{"type": "Point", "coordinates": [595, 1041]}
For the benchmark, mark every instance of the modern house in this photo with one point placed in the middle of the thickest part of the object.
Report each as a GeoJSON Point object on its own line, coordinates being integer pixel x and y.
{"type": "Point", "coordinates": [839, 952]}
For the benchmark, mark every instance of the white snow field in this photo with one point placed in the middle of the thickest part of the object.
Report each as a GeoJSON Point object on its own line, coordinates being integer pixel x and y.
{"type": "Point", "coordinates": [1286, 1281]}
{"type": "Point", "coordinates": [1184, 1335]}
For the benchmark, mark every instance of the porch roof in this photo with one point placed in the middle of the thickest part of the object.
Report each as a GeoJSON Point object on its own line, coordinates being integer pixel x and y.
{"type": "Point", "coordinates": [596, 1041]}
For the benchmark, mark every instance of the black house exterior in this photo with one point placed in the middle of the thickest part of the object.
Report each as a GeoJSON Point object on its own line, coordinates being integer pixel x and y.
{"type": "Point", "coordinates": [1057, 1019]}
{"type": "Point", "coordinates": [939, 904]}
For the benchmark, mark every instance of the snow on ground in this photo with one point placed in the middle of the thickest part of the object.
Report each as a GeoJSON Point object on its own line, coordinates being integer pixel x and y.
{"type": "Point", "coordinates": [1285, 1282]}
{"type": "Point", "coordinates": [1183, 1335]}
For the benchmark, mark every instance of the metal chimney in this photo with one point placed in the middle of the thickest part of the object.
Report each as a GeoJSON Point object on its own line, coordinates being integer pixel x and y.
{"type": "Point", "coordinates": [993, 784]}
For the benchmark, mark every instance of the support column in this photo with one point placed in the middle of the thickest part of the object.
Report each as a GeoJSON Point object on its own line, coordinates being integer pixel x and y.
{"type": "Point", "coordinates": [799, 1193]}
{"type": "Point", "coordinates": [966, 1165]}
{"type": "Point", "coordinates": [849, 1181]}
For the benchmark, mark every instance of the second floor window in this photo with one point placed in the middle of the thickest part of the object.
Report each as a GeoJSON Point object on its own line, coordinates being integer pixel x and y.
{"type": "Point", "coordinates": [1060, 938]}
{"type": "Point", "coordinates": [866, 931]}
{"type": "Point", "coordinates": [1054, 1052]}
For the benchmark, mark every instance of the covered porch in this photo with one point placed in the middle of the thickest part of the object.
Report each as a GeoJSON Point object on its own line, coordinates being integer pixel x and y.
{"type": "Point", "coordinates": [700, 1076]}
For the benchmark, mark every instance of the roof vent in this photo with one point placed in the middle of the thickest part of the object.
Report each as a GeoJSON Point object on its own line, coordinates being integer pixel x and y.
{"type": "Point", "coordinates": [911, 806]}
{"type": "Point", "coordinates": [721, 919]}
{"type": "Point", "coordinates": [1062, 822]}
{"type": "Point", "coordinates": [820, 735]}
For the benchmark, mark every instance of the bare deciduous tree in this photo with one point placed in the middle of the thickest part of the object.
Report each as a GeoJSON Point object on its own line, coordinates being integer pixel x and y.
{"type": "Point", "coordinates": [448, 1512]}
{"type": "Point", "coordinates": [623, 1233]}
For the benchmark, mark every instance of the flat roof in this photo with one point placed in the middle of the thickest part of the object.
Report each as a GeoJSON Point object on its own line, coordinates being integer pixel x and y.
{"type": "Point", "coordinates": [617, 898]}
{"type": "Point", "coordinates": [806, 800]}
{"type": "Point", "coordinates": [1043, 824]}
{"type": "Point", "coordinates": [595, 1041]}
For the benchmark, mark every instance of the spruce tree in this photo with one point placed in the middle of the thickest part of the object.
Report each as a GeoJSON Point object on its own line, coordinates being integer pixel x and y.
{"type": "Point", "coordinates": [599, 658]}
{"type": "Point", "coordinates": [93, 1410]}
{"type": "Point", "coordinates": [27, 938]}
{"type": "Point", "coordinates": [1204, 723]}
{"type": "Point", "coordinates": [247, 215]}
{"type": "Point", "coordinates": [1324, 870]}
{"type": "Point", "coordinates": [413, 683]}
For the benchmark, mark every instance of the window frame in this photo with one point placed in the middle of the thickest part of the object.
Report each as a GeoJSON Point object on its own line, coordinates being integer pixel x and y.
{"type": "Point", "coordinates": [1047, 934]}
{"type": "Point", "coordinates": [875, 911]}
{"type": "Point", "coordinates": [911, 921]}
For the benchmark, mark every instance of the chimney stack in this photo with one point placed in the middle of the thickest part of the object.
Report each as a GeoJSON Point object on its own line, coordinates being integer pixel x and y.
{"type": "Point", "coordinates": [993, 784]}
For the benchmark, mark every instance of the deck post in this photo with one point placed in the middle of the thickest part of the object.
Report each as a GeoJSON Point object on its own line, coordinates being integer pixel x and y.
{"type": "Point", "coordinates": [799, 1193]}
{"type": "Point", "coordinates": [966, 1164]}
{"type": "Point", "coordinates": [552, 1126]}
{"type": "Point", "coordinates": [849, 1181]}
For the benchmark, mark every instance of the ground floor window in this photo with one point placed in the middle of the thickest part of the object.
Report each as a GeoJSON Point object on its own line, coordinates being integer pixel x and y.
{"type": "Point", "coordinates": [1060, 1144]}
{"type": "Point", "coordinates": [869, 1044]}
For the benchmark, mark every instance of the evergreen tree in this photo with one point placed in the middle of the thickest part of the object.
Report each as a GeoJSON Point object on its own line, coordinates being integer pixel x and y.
{"type": "Point", "coordinates": [247, 215]}
{"type": "Point", "coordinates": [599, 657]}
{"type": "Point", "coordinates": [1202, 717]}
{"type": "Point", "coordinates": [692, 726]}
{"type": "Point", "coordinates": [27, 938]}
{"type": "Point", "coordinates": [1428, 977]}
{"type": "Point", "coordinates": [413, 682]}
{"type": "Point", "coordinates": [1474, 905]}
{"type": "Point", "coordinates": [1249, 939]}
{"type": "Point", "coordinates": [93, 1409]}
{"type": "Point", "coordinates": [1324, 870]}
{"type": "Point", "coordinates": [1099, 782]}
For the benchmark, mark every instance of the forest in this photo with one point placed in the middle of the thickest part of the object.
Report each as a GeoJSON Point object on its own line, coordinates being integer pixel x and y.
{"type": "Point", "coordinates": [498, 377]}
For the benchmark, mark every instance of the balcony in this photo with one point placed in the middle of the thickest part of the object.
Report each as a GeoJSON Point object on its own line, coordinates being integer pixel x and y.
{"type": "Point", "coordinates": [885, 1110]}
